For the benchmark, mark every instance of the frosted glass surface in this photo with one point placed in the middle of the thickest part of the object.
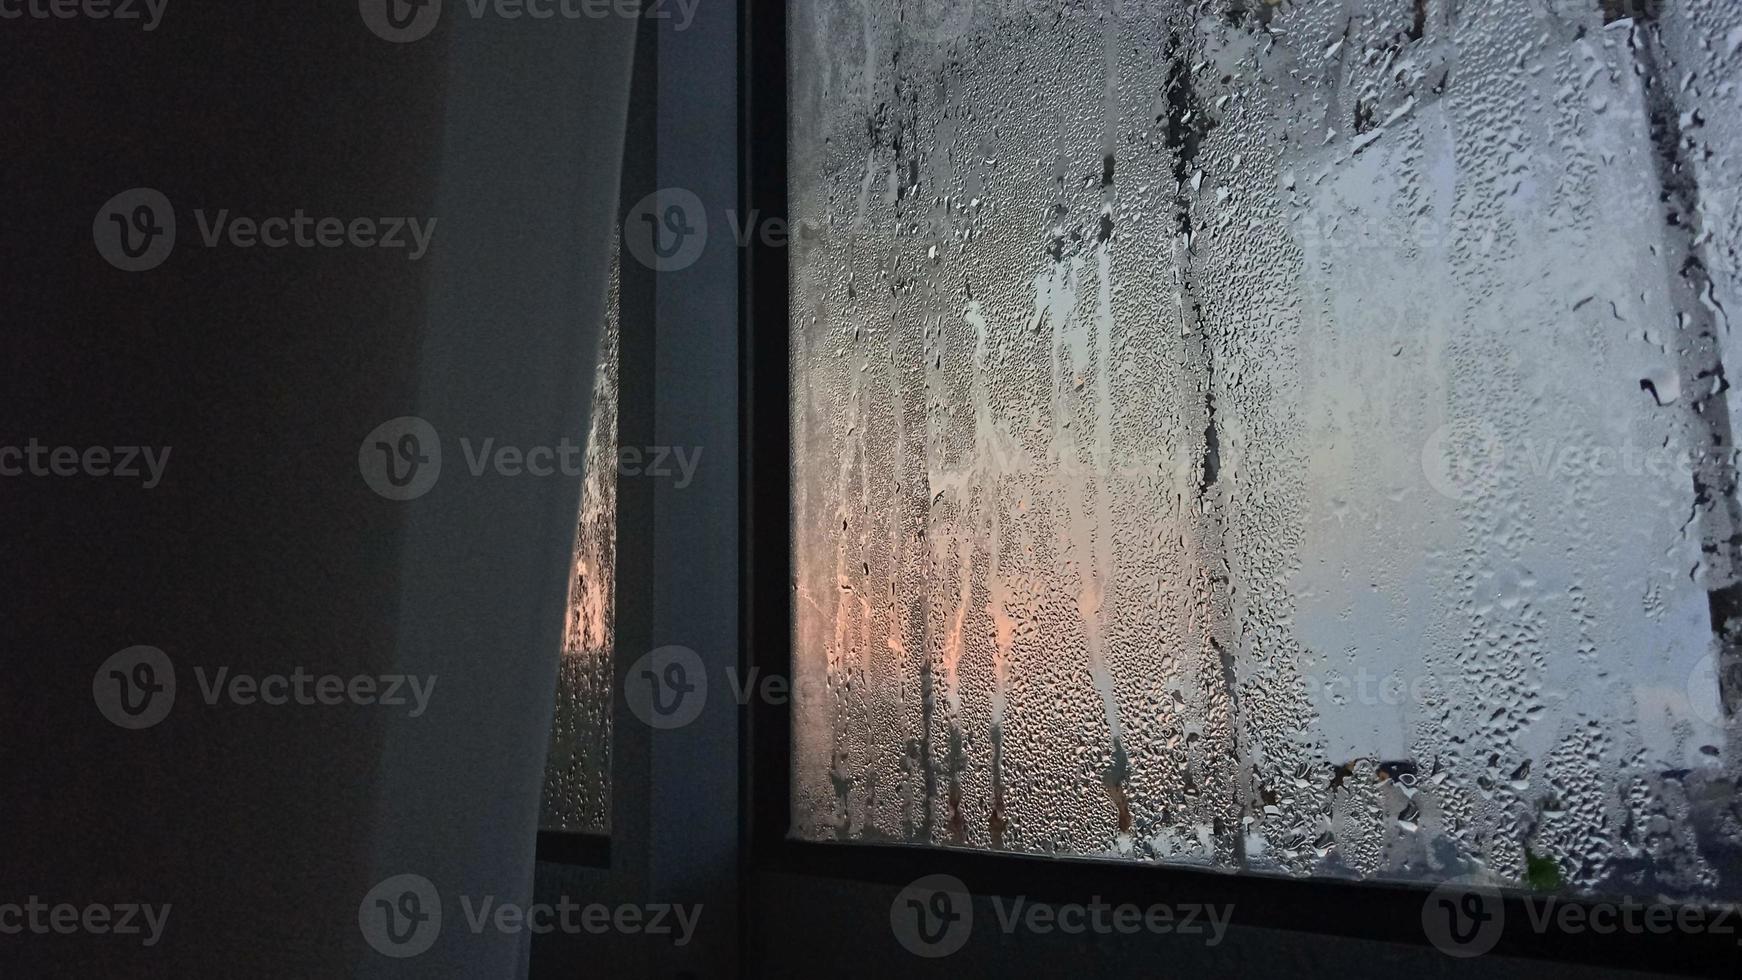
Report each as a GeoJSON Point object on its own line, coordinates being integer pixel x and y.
{"type": "Point", "coordinates": [1283, 437]}
{"type": "Point", "coordinates": [577, 778]}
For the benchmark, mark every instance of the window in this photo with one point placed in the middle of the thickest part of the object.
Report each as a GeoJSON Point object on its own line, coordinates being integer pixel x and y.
{"type": "Point", "coordinates": [577, 784]}
{"type": "Point", "coordinates": [1288, 437]}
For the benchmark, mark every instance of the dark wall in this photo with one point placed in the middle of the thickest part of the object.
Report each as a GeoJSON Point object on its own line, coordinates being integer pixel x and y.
{"type": "Point", "coordinates": [261, 548]}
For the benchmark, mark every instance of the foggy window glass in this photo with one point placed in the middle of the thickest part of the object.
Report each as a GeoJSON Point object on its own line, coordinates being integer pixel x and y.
{"type": "Point", "coordinates": [1289, 437]}
{"type": "Point", "coordinates": [577, 778]}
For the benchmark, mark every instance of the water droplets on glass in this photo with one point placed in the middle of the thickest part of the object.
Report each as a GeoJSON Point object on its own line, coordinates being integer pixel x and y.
{"type": "Point", "coordinates": [1282, 436]}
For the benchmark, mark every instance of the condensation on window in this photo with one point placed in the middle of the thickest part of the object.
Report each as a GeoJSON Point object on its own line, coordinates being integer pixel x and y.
{"type": "Point", "coordinates": [1289, 436]}
{"type": "Point", "coordinates": [577, 779]}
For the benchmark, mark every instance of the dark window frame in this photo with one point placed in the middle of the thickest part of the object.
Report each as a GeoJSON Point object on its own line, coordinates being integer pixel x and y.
{"type": "Point", "coordinates": [582, 849]}
{"type": "Point", "coordinates": [1365, 910]}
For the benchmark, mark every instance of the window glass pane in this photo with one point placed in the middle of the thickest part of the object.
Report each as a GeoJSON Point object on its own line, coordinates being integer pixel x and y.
{"type": "Point", "coordinates": [577, 780]}
{"type": "Point", "coordinates": [1286, 437]}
